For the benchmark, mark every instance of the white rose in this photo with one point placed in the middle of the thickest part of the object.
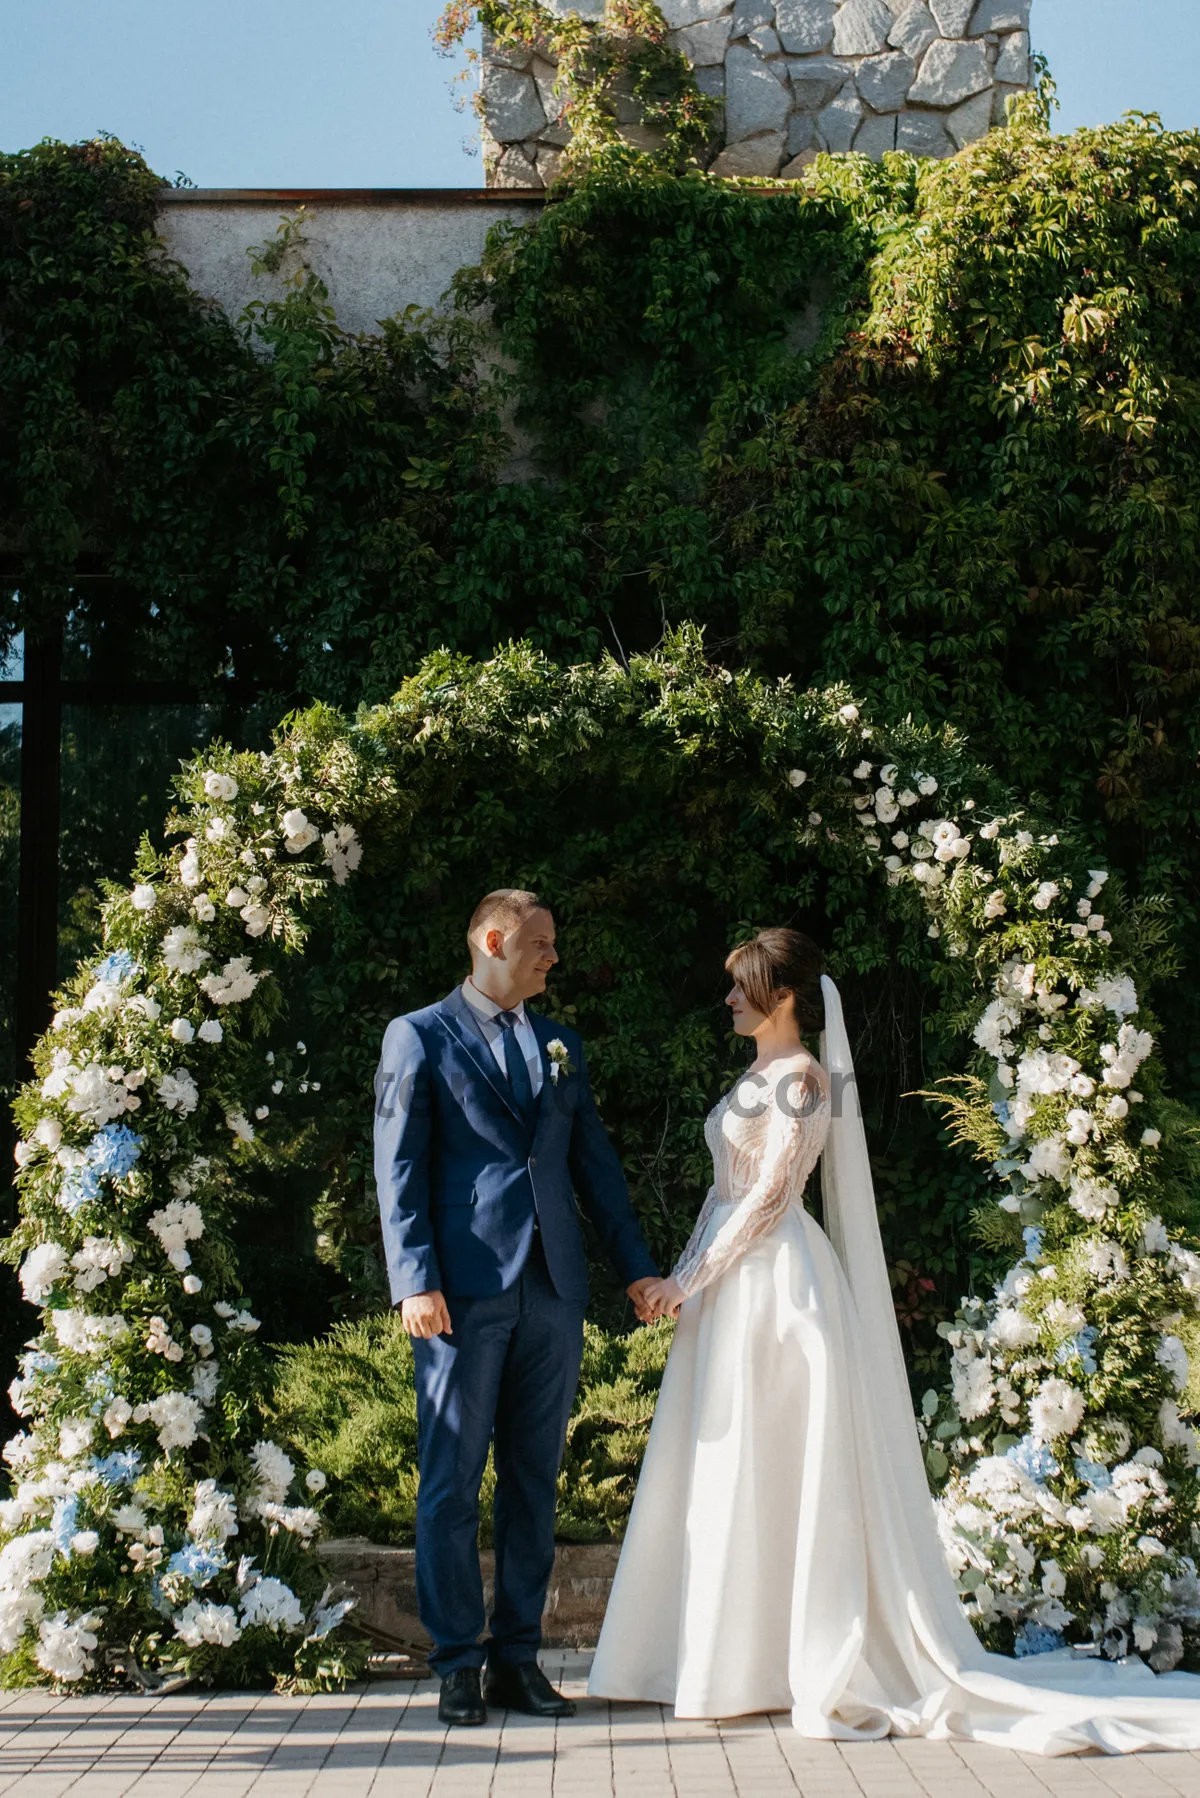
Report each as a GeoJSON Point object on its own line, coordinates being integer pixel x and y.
{"type": "Point", "coordinates": [797, 777]}
{"type": "Point", "coordinates": [1151, 1138]}
{"type": "Point", "coordinates": [182, 1030]}
{"type": "Point", "coordinates": [236, 897]}
{"type": "Point", "coordinates": [143, 897]}
{"type": "Point", "coordinates": [848, 713]}
{"type": "Point", "coordinates": [210, 1031]}
{"type": "Point", "coordinates": [315, 1480]}
{"type": "Point", "coordinates": [204, 908]}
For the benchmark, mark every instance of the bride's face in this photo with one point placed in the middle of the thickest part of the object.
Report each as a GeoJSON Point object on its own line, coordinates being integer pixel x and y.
{"type": "Point", "coordinates": [745, 1019]}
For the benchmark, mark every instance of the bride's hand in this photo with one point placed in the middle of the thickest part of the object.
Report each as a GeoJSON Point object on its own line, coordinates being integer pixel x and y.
{"type": "Point", "coordinates": [664, 1297]}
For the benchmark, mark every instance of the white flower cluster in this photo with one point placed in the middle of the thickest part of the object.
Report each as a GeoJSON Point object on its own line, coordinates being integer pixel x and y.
{"type": "Point", "coordinates": [96, 1094]}
{"type": "Point", "coordinates": [175, 1225]}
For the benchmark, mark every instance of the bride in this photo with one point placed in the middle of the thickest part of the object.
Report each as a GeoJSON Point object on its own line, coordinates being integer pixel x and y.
{"type": "Point", "coordinates": [782, 1552]}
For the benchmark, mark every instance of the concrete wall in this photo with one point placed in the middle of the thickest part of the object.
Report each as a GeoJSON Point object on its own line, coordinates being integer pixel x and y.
{"type": "Point", "coordinates": [377, 250]}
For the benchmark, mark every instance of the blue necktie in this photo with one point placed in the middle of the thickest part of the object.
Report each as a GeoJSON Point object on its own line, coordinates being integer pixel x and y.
{"type": "Point", "coordinates": [514, 1064]}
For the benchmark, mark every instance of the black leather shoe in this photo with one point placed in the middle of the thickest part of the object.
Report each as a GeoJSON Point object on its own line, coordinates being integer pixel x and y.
{"type": "Point", "coordinates": [461, 1703]}
{"type": "Point", "coordinates": [522, 1686]}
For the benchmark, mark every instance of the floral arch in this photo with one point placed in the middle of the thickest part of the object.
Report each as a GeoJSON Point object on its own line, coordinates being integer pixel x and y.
{"type": "Point", "coordinates": [155, 1530]}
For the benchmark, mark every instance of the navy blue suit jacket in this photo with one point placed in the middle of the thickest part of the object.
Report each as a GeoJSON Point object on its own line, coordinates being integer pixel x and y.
{"type": "Point", "coordinates": [462, 1177]}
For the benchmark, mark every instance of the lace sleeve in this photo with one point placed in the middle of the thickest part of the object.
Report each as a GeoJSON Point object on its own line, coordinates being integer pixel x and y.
{"type": "Point", "coordinates": [795, 1130]}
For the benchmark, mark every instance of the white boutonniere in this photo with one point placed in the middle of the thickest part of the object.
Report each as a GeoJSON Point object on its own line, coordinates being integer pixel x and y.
{"type": "Point", "coordinates": [560, 1061]}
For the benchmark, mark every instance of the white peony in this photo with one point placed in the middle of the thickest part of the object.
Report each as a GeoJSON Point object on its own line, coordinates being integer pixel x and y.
{"type": "Point", "coordinates": [234, 983]}
{"type": "Point", "coordinates": [101, 1258]}
{"type": "Point", "coordinates": [182, 950]}
{"type": "Point", "coordinates": [143, 897]}
{"type": "Point", "coordinates": [202, 1621]}
{"type": "Point", "coordinates": [214, 1514]}
{"type": "Point", "coordinates": [1056, 1409]}
{"type": "Point", "coordinates": [66, 1645]}
{"type": "Point", "coordinates": [41, 1269]}
{"type": "Point", "coordinates": [182, 1030]}
{"type": "Point", "coordinates": [177, 1416]}
{"type": "Point", "coordinates": [220, 786]}
{"type": "Point", "coordinates": [270, 1603]}
{"type": "Point", "coordinates": [1091, 1198]}
{"type": "Point", "coordinates": [273, 1470]}
{"type": "Point", "coordinates": [178, 1092]}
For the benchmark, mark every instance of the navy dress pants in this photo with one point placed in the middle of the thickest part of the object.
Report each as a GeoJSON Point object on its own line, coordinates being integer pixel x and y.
{"type": "Point", "coordinates": [506, 1375]}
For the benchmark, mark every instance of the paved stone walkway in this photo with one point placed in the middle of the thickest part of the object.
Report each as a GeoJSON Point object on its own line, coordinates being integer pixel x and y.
{"type": "Point", "coordinates": [381, 1740]}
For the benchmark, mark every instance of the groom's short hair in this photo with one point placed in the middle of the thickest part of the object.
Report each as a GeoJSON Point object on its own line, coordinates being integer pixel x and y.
{"type": "Point", "coordinates": [504, 910]}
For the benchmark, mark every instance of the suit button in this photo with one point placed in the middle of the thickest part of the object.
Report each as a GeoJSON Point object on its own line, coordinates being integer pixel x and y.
{"type": "Point", "coordinates": [533, 1161]}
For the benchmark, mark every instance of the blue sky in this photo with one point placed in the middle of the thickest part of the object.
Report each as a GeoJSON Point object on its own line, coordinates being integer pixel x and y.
{"type": "Point", "coordinates": [350, 93]}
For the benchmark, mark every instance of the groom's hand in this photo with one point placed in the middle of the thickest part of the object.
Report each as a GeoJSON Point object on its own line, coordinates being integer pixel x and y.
{"type": "Point", "coordinates": [641, 1305]}
{"type": "Point", "coordinates": [426, 1314]}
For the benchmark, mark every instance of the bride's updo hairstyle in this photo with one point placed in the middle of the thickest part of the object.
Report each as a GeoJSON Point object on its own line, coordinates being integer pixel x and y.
{"type": "Point", "coordinates": [776, 962]}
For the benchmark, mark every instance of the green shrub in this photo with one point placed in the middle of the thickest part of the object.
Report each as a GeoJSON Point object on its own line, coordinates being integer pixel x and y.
{"type": "Point", "coordinates": [346, 1404]}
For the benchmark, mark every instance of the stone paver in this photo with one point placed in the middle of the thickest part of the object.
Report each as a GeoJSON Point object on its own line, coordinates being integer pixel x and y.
{"type": "Point", "coordinates": [382, 1740]}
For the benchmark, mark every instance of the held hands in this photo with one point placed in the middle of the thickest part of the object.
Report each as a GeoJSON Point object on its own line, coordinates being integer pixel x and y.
{"type": "Point", "coordinates": [656, 1298]}
{"type": "Point", "coordinates": [426, 1314]}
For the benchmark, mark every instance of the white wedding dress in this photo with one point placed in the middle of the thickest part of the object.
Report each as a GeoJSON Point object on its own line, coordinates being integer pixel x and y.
{"type": "Point", "coordinates": [782, 1552]}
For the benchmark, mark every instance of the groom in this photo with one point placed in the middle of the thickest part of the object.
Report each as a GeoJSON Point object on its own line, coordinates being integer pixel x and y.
{"type": "Point", "coordinates": [484, 1123]}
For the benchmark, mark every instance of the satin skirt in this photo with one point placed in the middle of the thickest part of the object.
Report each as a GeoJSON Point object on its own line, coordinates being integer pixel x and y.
{"type": "Point", "coordinates": [768, 1564]}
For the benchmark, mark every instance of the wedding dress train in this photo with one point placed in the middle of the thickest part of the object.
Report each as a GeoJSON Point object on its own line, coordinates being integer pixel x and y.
{"type": "Point", "coordinates": [782, 1552]}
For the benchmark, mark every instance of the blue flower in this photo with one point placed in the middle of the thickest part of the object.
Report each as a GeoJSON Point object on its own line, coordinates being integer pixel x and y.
{"type": "Point", "coordinates": [62, 1526]}
{"type": "Point", "coordinates": [1093, 1474]}
{"type": "Point", "coordinates": [114, 1150]}
{"type": "Point", "coordinates": [1080, 1346]}
{"type": "Point", "coordinates": [1036, 1638]}
{"type": "Point", "coordinates": [116, 967]}
{"type": "Point", "coordinates": [120, 1468]}
{"type": "Point", "coordinates": [196, 1563]}
{"type": "Point", "coordinates": [1032, 1238]}
{"type": "Point", "coordinates": [1034, 1459]}
{"type": "Point", "coordinates": [1000, 1107]}
{"type": "Point", "coordinates": [37, 1361]}
{"type": "Point", "coordinates": [80, 1186]}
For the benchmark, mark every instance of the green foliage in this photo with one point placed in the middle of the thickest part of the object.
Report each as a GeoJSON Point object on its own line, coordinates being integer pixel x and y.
{"type": "Point", "coordinates": [613, 72]}
{"type": "Point", "coordinates": [346, 1404]}
{"type": "Point", "coordinates": [925, 428]}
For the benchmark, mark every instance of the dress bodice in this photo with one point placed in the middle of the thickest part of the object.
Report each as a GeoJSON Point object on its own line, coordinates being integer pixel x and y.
{"type": "Point", "coordinates": [765, 1137]}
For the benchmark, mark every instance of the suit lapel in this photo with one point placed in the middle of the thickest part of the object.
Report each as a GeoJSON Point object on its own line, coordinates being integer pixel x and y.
{"type": "Point", "coordinates": [454, 1015]}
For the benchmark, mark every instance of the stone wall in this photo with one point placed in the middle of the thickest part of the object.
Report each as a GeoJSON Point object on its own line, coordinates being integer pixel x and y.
{"type": "Point", "coordinates": [796, 76]}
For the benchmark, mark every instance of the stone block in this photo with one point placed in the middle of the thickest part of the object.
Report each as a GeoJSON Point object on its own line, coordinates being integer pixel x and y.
{"type": "Point", "coordinates": [792, 171]}
{"type": "Point", "coordinates": [953, 16]}
{"type": "Point", "coordinates": [511, 106]}
{"type": "Point", "coordinates": [765, 41]}
{"type": "Point", "coordinates": [1000, 15]}
{"type": "Point", "coordinates": [703, 44]}
{"type": "Point", "coordinates": [384, 1582]}
{"type": "Point", "coordinates": [759, 155]}
{"type": "Point", "coordinates": [755, 99]}
{"type": "Point", "coordinates": [801, 133]}
{"type": "Point", "coordinates": [875, 135]}
{"type": "Point", "coordinates": [512, 56]}
{"type": "Point", "coordinates": [679, 13]}
{"type": "Point", "coordinates": [972, 120]}
{"type": "Point", "coordinates": [923, 134]}
{"type": "Point", "coordinates": [1000, 94]}
{"type": "Point", "coordinates": [549, 163]}
{"type": "Point", "coordinates": [914, 30]}
{"type": "Point", "coordinates": [1012, 64]}
{"type": "Point", "coordinates": [748, 15]}
{"type": "Point", "coordinates": [805, 26]}
{"type": "Point", "coordinates": [712, 81]}
{"type": "Point", "coordinates": [816, 80]}
{"type": "Point", "coordinates": [951, 73]}
{"type": "Point", "coordinates": [516, 168]}
{"type": "Point", "coordinates": [840, 120]}
{"type": "Point", "coordinates": [861, 27]}
{"type": "Point", "coordinates": [545, 75]}
{"type": "Point", "coordinates": [884, 81]}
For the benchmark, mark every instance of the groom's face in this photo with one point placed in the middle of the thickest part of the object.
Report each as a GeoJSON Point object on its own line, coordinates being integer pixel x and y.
{"type": "Point", "coordinates": [529, 954]}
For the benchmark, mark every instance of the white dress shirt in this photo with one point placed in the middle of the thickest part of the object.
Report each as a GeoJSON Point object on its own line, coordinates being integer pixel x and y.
{"type": "Point", "coordinates": [486, 1012]}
